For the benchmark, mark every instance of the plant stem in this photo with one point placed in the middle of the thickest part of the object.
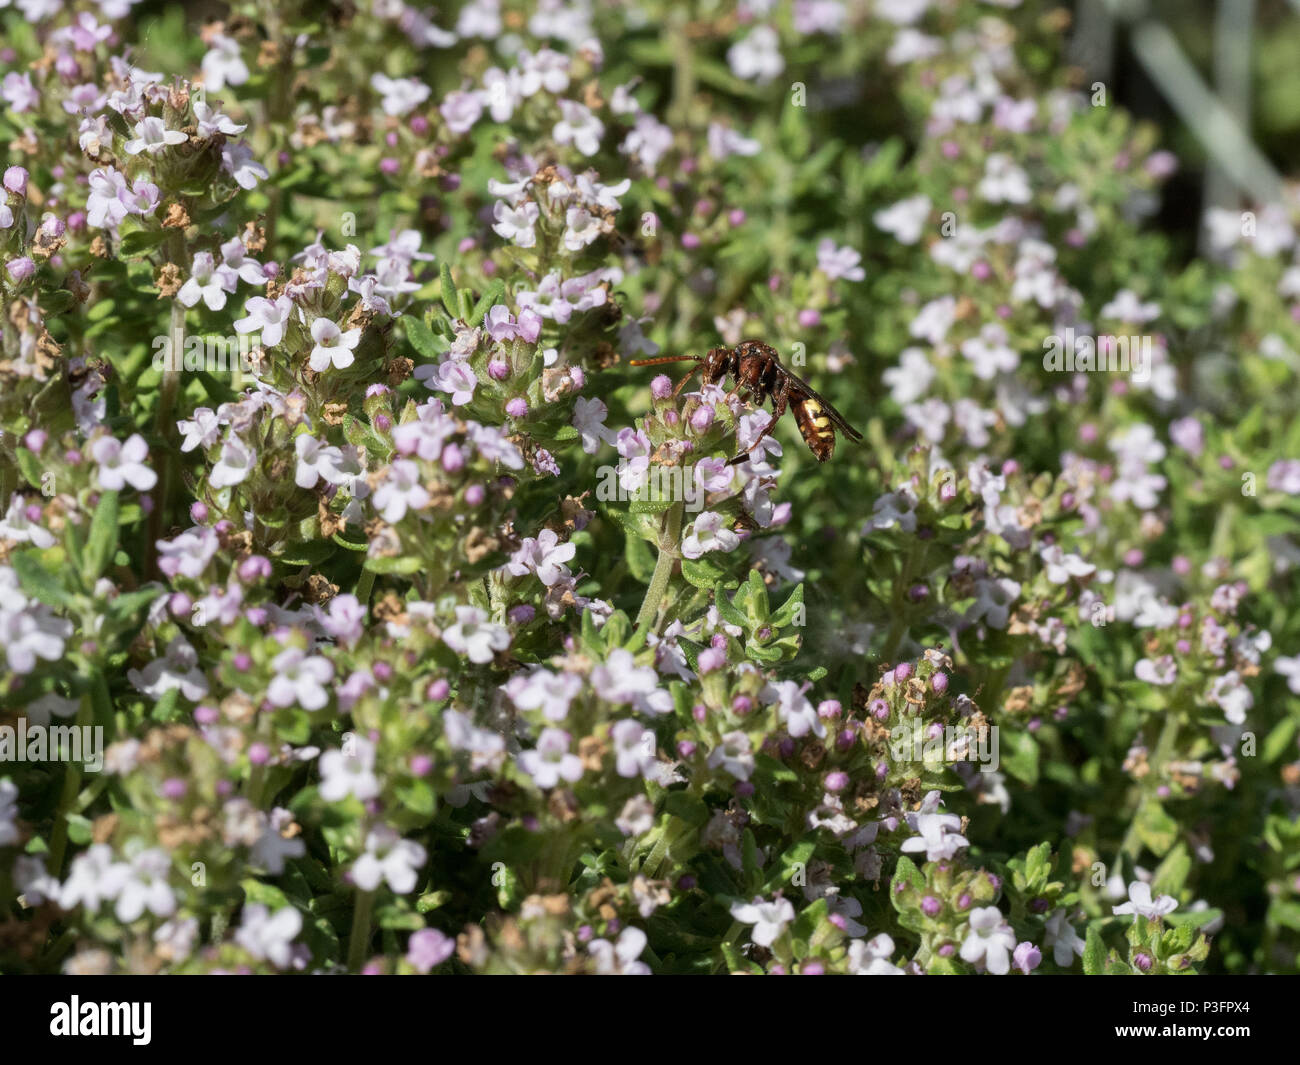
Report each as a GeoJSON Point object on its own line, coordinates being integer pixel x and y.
{"type": "Point", "coordinates": [683, 67]}
{"type": "Point", "coordinates": [899, 624]}
{"type": "Point", "coordinates": [663, 567]}
{"type": "Point", "coordinates": [165, 423]}
{"type": "Point", "coordinates": [71, 785]}
{"type": "Point", "coordinates": [360, 937]}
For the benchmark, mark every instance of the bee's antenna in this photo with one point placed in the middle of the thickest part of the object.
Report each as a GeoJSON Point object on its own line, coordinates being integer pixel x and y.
{"type": "Point", "coordinates": [662, 359]}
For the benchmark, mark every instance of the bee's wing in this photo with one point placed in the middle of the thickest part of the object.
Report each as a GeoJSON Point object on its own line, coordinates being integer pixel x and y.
{"type": "Point", "coordinates": [835, 416]}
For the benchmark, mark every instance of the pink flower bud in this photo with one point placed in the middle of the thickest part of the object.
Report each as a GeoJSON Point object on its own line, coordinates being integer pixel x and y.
{"type": "Point", "coordinates": [453, 458]}
{"type": "Point", "coordinates": [253, 568]}
{"type": "Point", "coordinates": [16, 180]}
{"type": "Point", "coordinates": [20, 270]}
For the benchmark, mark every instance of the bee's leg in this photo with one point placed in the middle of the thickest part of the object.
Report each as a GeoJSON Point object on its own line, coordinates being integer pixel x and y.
{"type": "Point", "coordinates": [682, 383]}
{"type": "Point", "coordinates": [780, 403]}
{"type": "Point", "coordinates": [780, 399]}
{"type": "Point", "coordinates": [742, 456]}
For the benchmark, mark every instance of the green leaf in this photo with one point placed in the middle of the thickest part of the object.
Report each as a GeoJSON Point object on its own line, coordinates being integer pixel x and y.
{"type": "Point", "coordinates": [31, 467]}
{"type": "Point", "coordinates": [649, 506]}
{"type": "Point", "coordinates": [640, 559]}
{"type": "Point", "coordinates": [141, 241]}
{"type": "Point", "coordinates": [1020, 758]}
{"type": "Point", "coordinates": [268, 895]}
{"type": "Point", "coordinates": [691, 650]}
{"type": "Point", "coordinates": [398, 918]}
{"type": "Point", "coordinates": [59, 302]}
{"type": "Point", "coordinates": [80, 829]}
{"type": "Point", "coordinates": [1278, 741]}
{"type": "Point", "coordinates": [126, 604]}
{"type": "Point", "coordinates": [1171, 874]}
{"type": "Point", "coordinates": [727, 610]}
{"type": "Point", "coordinates": [1094, 953]}
{"type": "Point", "coordinates": [167, 708]}
{"type": "Point", "coordinates": [786, 613]}
{"type": "Point", "coordinates": [421, 337]}
{"type": "Point", "coordinates": [757, 598]}
{"type": "Point", "coordinates": [689, 808]}
{"type": "Point", "coordinates": [309, 553]}
{"type": "Point", "coordinates": [450, 298]}
{"type": "Point", "coordinates": [102, 543]}
{"type": "Point", "coordinates": [907, 873]}
{"type": "Point", "coordinates": [702, 573]}
{"type": "Point", "coordinates": [490, 298]}
{"type": "Point", "coordinates": [1193, 919]}
{"type": "Point", "coordinates": [36, 581]}
{"type": "Point", "coordinates": [737, 962]}
{"type": "Point", "coordinates": [1156, 828]}
{"type": "Point", "coordinates": [749, 857]}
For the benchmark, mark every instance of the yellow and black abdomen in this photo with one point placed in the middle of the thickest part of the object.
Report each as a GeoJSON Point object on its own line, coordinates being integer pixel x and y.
{"type": "Point", "coordinates": [818, 433]}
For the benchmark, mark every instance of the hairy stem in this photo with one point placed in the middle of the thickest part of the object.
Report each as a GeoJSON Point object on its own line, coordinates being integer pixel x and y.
{"type": "Point", "coordinates": [654, 595]}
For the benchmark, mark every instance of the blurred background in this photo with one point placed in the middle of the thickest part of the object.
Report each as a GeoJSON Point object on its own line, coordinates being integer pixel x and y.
{"type": "Point", "coordinates": [1220, 77]}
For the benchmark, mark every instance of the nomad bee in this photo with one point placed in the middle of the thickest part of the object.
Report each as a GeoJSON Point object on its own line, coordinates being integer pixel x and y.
{"type": "Point", "coordinates": [758, 371]}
